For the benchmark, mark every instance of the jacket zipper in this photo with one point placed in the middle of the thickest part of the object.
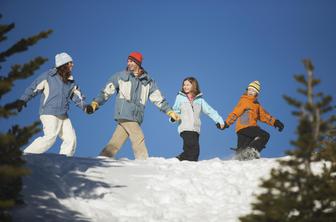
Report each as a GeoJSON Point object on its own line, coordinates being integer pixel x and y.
{"type": "Point", "coordinates": [193, 112]}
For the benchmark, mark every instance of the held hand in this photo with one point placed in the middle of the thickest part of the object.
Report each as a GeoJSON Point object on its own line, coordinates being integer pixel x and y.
{"type": "Point", "coordinates": [226, 125]}
{"type": "Point", "coordinates": [222, 126]}
{"type": "Point", "coordinates": [19, 104]}
{"type": "Point", "coordinates": [89, 109]}
{"type": "Point", "coordinates": [173, 115]}
{"type": "Point", "coordinates": [278, 124]}
{"type": "Point", "coordinates": [219, 126]}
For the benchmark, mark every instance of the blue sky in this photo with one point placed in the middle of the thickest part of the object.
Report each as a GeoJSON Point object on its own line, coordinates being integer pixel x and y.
{"type": "Point", "coordinates": [224, 44]}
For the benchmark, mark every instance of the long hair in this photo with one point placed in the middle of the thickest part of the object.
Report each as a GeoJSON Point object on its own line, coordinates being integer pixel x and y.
{"type": "Point", "coordinates": [195, 90]}
{"type": "Point", "coordinates": [65, 72]}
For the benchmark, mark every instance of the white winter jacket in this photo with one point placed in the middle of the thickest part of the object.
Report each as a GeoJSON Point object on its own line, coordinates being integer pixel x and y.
{"type": "Point", "coordinates": [190, 112]}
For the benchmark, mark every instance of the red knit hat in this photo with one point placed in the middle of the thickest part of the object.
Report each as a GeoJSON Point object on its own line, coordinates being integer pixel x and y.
{"type": "Point", "coordinates": [136, 57]}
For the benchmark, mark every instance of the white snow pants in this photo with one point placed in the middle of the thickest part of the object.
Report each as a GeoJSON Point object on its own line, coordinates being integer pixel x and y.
{"type": "Point", "coordinates": [54, 126]}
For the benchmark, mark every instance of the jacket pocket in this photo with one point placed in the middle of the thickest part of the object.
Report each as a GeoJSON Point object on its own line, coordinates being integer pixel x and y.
{"type": "Point", "coordinates": [196, 114]}
{"type": "Point", "coordinates": [138, 112]}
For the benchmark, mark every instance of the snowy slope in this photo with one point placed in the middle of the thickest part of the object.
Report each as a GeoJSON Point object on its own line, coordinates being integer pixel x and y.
{"type": "Point", "coordinates": [95, 189]}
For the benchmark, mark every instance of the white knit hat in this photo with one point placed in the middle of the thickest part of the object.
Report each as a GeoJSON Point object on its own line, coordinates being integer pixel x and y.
{"type": "Point", "coordinates": [62, 58]}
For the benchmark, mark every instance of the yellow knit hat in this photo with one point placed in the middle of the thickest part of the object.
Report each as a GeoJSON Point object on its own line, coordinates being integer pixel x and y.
{"type": "Point", "coordinates": [256, 85]}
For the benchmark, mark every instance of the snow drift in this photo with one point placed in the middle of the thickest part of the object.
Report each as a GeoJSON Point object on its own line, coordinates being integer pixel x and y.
{"type": "Point", "coordinates": [95, 189]}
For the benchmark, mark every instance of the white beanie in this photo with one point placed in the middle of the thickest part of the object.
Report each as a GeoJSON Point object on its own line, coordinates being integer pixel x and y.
{"type": "Point", "coordinates": [62, 58]}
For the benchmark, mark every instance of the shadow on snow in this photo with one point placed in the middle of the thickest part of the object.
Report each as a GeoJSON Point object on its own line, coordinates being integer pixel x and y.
{"type": "Point", "coordinates": [55, 178]}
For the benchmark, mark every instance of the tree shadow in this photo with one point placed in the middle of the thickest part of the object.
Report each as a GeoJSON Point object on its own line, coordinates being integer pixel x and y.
{"type": "Point", "coordinates": [57, 178]}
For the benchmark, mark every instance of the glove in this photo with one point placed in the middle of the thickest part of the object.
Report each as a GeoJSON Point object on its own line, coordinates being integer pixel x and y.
{"type": "Point", "coordinates": [173, 115]}
{"type": "Point", "coordinates": [226, 125]}
{"type": "Point", "coordinates": [19, 104]}
{"type": "Point", "coordinates": [89, 109]}
{"type": "Point", "coordinates": [218, 125]}
{"type": "Point", "coordinates": [278, 124]}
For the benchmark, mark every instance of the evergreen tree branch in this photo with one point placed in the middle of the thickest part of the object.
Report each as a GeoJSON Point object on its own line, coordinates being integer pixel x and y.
{"type": "Point", "coordinates": [7, 110]}
{"type": "Point", "coordinates": [302, 91]}
{"type": "Point", "coordinates": [11, 163]}
{"type": "Point", "coordinates": [26, 70]}
{"type": "Point", "coordinates": [4, 29]}
{"type": "Point", "coordinates": [293, 102]}
{"type": "Point", "coordinates": [315, 82]}
{"type": "Point", "coordinates": [308, 65]}
{"type": "Point", "coordinates": [23, 45]}
{"type": "Point", "coordinates": [301, 79]}
{"type": "Point", "coordinates": [300, 189]}
{"type": "Point", "coordinates": [20, 72]}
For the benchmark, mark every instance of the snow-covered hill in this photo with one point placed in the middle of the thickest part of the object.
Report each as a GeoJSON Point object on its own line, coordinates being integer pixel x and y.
{"type": "Point", "coordinates": [95, 189]}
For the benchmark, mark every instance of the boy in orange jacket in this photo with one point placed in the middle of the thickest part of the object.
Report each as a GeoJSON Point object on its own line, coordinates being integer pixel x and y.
{"type": "Point", "coordinates": [251, 138]}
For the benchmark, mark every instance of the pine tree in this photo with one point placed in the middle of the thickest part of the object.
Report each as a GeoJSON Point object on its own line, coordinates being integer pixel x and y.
{"type": "Point", "coordinates": [303, 187]}
{"type": "Point", "coordinates": [11, 162]}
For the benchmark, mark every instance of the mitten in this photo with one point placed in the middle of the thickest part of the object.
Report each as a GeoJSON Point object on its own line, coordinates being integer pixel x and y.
{"type": "Point", "coordinates": [278, 124]}
{"type": "Point", "coordinates": [89, 109]}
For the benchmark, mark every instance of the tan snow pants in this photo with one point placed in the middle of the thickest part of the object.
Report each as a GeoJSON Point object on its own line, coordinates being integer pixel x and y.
{"type": "Point", "coordinates": [124, 130]}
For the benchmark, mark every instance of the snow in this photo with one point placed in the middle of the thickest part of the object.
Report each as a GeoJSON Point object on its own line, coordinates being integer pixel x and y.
{"type": "Point", "coordinates": [100, 189]}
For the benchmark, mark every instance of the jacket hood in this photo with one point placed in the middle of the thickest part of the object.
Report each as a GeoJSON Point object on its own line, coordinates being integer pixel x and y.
{"type": "Point", "coordinates": [249, 98]}
{"type": "Point", "coordinates": [52, 71]}
{"type": "Point", "coordinates": [145, 78]}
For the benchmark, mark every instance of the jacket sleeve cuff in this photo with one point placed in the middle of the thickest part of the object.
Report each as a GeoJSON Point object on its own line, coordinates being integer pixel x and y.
{"type": "Point", "coordinates": [24, 98]}
{"type": "Point", "coordinates": [169, 112]}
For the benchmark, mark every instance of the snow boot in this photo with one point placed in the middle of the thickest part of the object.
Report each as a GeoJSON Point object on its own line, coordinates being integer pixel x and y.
{"type": "Point", "coordinates": [105, 152]}
{"type": "Point", "coordinates": [248, 153]}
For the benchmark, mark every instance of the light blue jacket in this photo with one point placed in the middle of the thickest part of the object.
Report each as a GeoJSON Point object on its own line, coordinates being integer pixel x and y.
{"type": "Point", "coordinates": [132, 95]}
{"type": "Point", "coordinates": [190, 112]}
{"type": "Point", "coordinates": [55, 94]}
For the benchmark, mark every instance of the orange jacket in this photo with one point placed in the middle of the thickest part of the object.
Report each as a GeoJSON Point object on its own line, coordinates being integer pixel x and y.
{"type": "Point", "coordinates": [248, 111]}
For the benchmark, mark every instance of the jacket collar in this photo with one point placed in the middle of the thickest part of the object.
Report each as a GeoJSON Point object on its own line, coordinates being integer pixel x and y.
{"type": "Point", "coordinates": [144, 78]}
{"type": "Point", "coordinates": [250, 98]}
{"type": "Point", "coordinates": [53, 72]}
{"type": "Point", "coordinates": [185, 95]}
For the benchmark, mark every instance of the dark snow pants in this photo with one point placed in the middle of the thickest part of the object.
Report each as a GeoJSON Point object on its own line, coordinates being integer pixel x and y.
{"type": "Point", "coordinates": [191, 147]}
{"type": "Point", "coordinates": [252, 136]}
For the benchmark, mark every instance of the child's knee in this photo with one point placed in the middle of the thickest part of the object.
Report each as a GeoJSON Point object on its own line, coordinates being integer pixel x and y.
{"type": "Point", "coordinates": [266, 136]}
